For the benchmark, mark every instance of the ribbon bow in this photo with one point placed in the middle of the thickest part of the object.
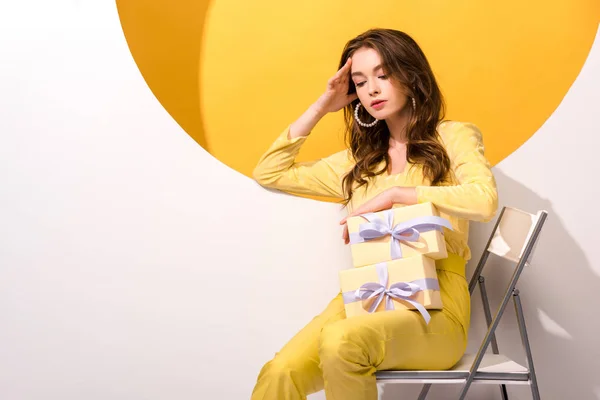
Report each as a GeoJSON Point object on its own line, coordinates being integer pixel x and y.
{"type": "Point", "coordinates": [408, 231]}
{"type": "Point", "coordinates": [400, 290]}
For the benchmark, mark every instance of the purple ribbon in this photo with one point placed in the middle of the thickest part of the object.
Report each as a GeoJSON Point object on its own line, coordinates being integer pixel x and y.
{"type": "Point", "coordinates": [400, 290]}
{"type": "Point", "coordinates": [408, 231]}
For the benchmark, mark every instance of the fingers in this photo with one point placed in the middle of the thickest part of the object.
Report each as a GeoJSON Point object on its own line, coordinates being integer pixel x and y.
{"type": "Point", "coordinates": [343, 72]}
{"type": "Point", "coordinates": [356, 212]}
{"type": "Point", "coordinates": [341, 76]}
{"type": "Point", "coordinates": [345, 235]}
{"type": "Point", "coordinates": [345, 67]}
{"type": "Point", "coordinates": [352, 214]}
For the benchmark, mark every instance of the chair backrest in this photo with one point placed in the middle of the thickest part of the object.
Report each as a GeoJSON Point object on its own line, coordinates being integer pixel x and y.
{"type": "Point", "coordinates": [513, 232]}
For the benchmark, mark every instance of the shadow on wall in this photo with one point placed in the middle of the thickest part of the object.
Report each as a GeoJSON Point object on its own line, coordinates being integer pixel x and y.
{"type": "Point", "coordinates": [560, 292]}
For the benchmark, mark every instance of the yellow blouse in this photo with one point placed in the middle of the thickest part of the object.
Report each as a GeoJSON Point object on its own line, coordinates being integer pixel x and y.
{"type": "Point", "coordinates": [471, 194]}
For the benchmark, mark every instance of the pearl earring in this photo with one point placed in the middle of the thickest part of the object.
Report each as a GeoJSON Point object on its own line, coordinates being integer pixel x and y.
{"type": "Point", "coordinates": [358, 119]}
{"type": "Point", "coordinates": [414, 104]}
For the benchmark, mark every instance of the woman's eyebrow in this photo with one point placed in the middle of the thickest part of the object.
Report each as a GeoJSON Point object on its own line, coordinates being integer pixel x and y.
{"type": "Point", "coordinates": [358, 73]}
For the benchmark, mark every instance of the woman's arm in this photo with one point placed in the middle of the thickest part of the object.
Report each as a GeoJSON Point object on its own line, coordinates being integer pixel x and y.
{"type": "Point", "coordinates": [278, 169]}
{"type": "Point", "coordinates": [474, 196]}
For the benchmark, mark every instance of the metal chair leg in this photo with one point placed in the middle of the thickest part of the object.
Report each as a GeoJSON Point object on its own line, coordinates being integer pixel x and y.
{"type": "Point", "coordinates": [503, 392]}
{"type": "Point", "coordinates": [488, 319]}
{"type": "Point", "coordinates": [424, 391]}
{"type": "Point", "coordinates": [490, 333]}
{"type": "Point", "coordinates": [535, 393]}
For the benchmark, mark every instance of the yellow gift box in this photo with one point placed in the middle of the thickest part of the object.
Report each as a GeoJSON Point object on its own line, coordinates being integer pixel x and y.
{"type": "Point", "coordinates": [408, 283]}
{"type": "Point", "coordinates": [399, 232]}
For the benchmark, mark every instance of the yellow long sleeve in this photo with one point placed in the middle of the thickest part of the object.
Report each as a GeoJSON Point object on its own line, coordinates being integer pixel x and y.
{"type": "Point", "coordinates": [473, 195]}
{"type": "Point", "coordinates": [277, 169]}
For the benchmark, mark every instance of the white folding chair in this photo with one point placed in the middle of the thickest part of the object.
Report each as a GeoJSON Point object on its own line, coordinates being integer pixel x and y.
{"type": "Point", "coordinates": [514, 238]}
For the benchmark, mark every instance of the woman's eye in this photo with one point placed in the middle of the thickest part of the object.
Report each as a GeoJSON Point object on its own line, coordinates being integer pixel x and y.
{"type": "Point", "coordinates": [359, 84]}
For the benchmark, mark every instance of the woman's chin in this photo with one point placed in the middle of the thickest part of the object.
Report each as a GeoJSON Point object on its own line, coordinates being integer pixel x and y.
{"type": "Point", "coordinates": [381, 115]}
{"type": "Point", "coordinates": [387, 114]}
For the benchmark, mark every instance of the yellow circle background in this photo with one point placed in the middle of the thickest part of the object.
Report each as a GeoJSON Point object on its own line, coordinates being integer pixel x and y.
{"type": "Point", "coordinates": [235, 73]}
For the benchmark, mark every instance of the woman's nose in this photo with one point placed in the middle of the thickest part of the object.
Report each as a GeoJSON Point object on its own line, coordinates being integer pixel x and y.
{"type": "Point", "coordinates": [373, 89]}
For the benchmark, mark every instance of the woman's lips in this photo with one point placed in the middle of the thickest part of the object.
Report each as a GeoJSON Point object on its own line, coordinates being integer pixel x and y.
{"type": "Point", "coordinates": [379, 105]}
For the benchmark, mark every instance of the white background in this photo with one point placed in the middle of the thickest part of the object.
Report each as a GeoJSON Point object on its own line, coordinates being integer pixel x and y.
{"type": "Point", "coordinates": [134, 265]}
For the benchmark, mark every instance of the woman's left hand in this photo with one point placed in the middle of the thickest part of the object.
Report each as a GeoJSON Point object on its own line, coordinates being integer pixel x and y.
{"type": "Point", "coordinates": [383, 201]}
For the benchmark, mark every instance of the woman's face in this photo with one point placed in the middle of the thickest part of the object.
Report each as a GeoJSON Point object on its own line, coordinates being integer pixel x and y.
{"type": "Point", "coordinates": [381, 96]}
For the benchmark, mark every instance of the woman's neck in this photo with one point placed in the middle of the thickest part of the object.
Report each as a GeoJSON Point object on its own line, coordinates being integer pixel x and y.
{"type": "Point", "coordinates": [397, 126]}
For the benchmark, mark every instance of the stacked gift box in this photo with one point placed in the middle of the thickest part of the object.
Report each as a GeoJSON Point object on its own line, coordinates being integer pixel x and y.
{"type": "Point", "coordinates": [393, 254]}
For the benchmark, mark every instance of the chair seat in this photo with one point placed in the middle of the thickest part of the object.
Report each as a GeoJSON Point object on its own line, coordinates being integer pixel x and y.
{"type": "Point", "coordinates": [493, 369]}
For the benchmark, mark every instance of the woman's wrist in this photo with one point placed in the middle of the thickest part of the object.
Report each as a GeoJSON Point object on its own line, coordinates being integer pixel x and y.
{"type": "Point", "coordinates": [304, 125]}
{"type": "Point", "coordinates": [404, 195]}
{"type": "Point", "coordinates": [317, 110]}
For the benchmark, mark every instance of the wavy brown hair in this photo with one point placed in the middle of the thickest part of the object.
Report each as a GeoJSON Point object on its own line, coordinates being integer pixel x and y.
{"type": "Point", "coordinates": [405, 63]}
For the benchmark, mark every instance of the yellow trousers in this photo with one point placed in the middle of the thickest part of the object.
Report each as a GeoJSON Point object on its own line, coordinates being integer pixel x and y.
{"type": "Point", "coordinates": [342, 355]}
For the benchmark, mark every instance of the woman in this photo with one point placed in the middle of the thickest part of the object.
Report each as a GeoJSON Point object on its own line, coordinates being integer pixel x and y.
{"type": "Point", "coordinates": [399, 153]}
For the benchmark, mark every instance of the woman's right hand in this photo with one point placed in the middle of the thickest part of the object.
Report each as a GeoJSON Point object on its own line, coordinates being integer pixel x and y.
{"type": "Point", "coordinates": [336, 96]}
